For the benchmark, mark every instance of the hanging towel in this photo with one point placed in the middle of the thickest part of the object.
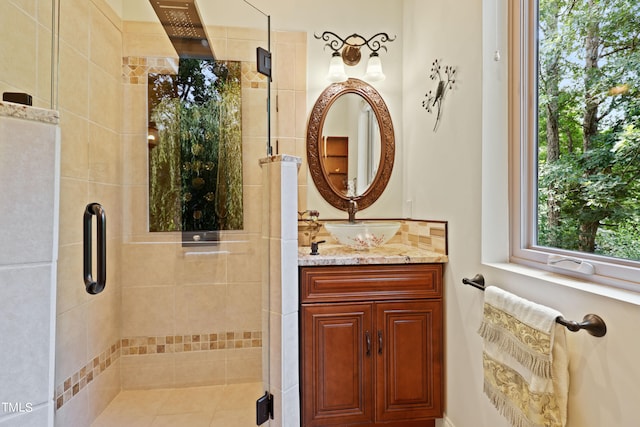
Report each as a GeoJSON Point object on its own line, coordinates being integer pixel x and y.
{"type": "Point", "coordinates": [526, 368]}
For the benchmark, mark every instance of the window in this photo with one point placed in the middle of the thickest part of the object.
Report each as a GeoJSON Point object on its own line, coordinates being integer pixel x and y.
{"type": "Point", "coordinates": [575, 133]}
{"type": "Point", "coordinates": [195, 149]}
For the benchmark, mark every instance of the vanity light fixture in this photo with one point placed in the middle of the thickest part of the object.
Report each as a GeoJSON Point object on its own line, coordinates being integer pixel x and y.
{"type": "Point", "coordinates": [346, 51]}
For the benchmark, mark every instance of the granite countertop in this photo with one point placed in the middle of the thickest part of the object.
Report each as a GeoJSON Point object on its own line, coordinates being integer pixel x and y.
{"type": "Point", "coordinates": [391, 253]}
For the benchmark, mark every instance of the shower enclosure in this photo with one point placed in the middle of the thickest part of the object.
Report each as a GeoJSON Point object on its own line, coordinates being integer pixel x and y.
{"type": "Point", "coordinates": [171, 315]}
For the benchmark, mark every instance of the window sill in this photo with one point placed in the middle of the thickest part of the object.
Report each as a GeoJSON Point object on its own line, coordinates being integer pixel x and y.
{"type": "Point", "coordinates": [570, 282]}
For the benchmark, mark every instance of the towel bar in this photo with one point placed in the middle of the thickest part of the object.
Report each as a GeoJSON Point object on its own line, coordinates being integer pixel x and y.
{"type": "Point", "coordinates": [592, 323]}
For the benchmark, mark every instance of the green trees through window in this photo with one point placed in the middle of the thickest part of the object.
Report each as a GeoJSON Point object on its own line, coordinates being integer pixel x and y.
{"type": "Point", "coordinates": [195, 147]}
{"type": "Point", "coordinates": [589, 126]}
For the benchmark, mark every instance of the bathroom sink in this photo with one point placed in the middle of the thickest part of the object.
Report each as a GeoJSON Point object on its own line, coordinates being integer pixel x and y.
{"type": "Point", "coordinates": [362, 235]}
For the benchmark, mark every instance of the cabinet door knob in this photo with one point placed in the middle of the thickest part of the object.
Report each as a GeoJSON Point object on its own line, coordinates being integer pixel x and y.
{"type": "Point", "coordinates": [367, 336]}
{"type": "Point", "coordinates": [379, 342]}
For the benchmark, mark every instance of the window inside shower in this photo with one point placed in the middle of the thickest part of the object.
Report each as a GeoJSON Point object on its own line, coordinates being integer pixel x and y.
{"type": "Point", "coordinates": [195, 149]}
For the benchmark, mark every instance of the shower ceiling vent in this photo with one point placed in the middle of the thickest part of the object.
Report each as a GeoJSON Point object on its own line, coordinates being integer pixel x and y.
{"type": "Point", "coordinates": [181, 22]}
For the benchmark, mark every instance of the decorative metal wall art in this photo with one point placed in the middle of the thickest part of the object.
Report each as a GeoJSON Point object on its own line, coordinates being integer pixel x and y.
{"type": "Point", "coordinates": [446, 80]}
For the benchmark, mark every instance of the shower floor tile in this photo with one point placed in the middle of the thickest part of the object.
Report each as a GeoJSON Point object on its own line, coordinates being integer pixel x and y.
{"type": "Point", "coordinates": [212, 406]}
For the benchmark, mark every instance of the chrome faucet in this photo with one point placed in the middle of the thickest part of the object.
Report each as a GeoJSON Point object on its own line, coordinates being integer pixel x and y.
{"type": "Point", "coordinates": [352, 208]}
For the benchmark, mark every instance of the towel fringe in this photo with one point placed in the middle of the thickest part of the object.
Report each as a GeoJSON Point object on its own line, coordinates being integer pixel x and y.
{"type": "Point", "coordinates": [506, 409]}
{"type": "Point", "coordinates": [539, 366]}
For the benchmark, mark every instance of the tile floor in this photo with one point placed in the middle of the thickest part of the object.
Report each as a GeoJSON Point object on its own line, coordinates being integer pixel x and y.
{"type": "Point", "coordinates": [211, 406]}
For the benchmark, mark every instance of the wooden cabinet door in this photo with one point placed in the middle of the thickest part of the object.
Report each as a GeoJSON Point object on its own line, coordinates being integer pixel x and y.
{"type": "Point", "coordinates": [337, 353]}
{"type": "Point", "coordinates": [409, 360]}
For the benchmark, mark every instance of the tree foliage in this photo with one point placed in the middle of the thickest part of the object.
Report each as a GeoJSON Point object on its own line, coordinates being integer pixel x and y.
{"type": "Point", "coordinates": [588, 127]}
{"type": "Point", "coordinates": [196, 167]}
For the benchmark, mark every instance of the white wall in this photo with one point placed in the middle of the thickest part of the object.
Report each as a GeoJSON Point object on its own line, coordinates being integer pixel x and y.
{"type": "Point", "coordinates": [459, 174]}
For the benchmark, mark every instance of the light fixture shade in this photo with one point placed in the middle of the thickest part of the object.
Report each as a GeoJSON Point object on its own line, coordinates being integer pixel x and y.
{"type": "Point", "coordinates": [336, 69]}
{"type": "Point", "coordinates": [374, 69]}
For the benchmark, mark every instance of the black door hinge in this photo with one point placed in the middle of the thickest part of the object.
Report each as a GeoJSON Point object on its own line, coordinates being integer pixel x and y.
{"type": "Point", "coordinates": [264, 408]}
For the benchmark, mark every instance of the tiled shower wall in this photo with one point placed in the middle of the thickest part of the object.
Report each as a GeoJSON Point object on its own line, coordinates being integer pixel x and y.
{"type": "Point", "coordinates": [210, 297]}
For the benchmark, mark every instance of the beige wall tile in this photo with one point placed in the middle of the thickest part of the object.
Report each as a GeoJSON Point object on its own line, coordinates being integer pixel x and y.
{"type": "Point", "coordinates": [284, 120]}
{"type": "Point", "coordinates": [245, 267]}
{"type": "Point", "coordinates": [301, 116]}
{"type": "Point", "coordinates": [148, 265]}
{"type": "Point", "coordinates": [74, 146]}
{"type": "Point", "coordinates": [201, 368]}
{"type": "Point", "coordinates": [148, 311]}
{"type": "Point", "coordinates": [219, 47]}
{"type": "Point", "coordinates": [74, 24]}
{"type": "Point", "coordinates": [73, 88]}
{"type": "Point", "coordinates": [244, 365]}
{"type": "Point", "coordinates": [105, 43]}
{"type": "Point", "coordinates": [301, 66]}
{"type": "Point", "coordinates": [286, 146]}
{"type": "Point", "coordinates": [149, 371]}
{"type": "Point", "coordinates": [104, 155]}
{"type": "Point", "coordinates": [284, 71]}
{"type": "Point", "coordinates": [146, 39]}
{"type": "Point", "coordinates": [105, 98]}
{"type": "Point", "coordinates": [43, 78]}
{"type": "Point", "coordinates": [254, 113]}
{"type": "Point", "coordinates": [252, 201]}
{"type": "Point", "coordinates": [134, 110]}
{"type": "Point", "coordinates": [110, 197]}
{"type": "Point", "coordinates": [242, 50]}
{"type": "Point", "coordinates": [136, 213]}
{"type": "Point", "coordinates": [73, 199]}
{"type": "Point", "coordinates": [71, 342]}
{"type": "Point", "coordinates": [290, 37]}
{"type": "Point", "coordinates": [239, 33]}
{"type": "Point", "coordinates": [44, 13]}
{"type": "Point", "coordinates": [201, 309]}
{"type": "Point", "coordinates": [253, 149]}
{"type": "Point", "coordinates": [103, 389]}
{"type": "Point", "coordinates": [243, 305]}
{"type": "Point", "coordinates": [17, 48]}
{"type": "Point", "coordinates": [27, 6]}
{"type": "Point", "coordinates": [201, 268]}
{"type": "Point", "coordinates": [71, 290]}
{"type": "Point", "coordinates": [76, 412]}
{"type": "Point", "coordinates": [103, 319]}
{"type": "Point", "coordinates": [134, 158]}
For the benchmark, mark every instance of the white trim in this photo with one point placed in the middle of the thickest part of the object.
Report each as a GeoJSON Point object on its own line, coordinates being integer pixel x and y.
{"type": "Point", "coordinates": [624, 274]}
{"type": "Point", "coordinates": [446, 422]}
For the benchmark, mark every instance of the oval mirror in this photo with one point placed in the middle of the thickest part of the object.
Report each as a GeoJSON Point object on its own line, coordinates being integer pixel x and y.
{"type": "Point", "coordinates": [350, 144]}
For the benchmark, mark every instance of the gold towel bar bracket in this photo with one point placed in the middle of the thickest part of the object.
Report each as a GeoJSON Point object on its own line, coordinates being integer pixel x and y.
{"type": "Point", "coordinates": [592, 323]}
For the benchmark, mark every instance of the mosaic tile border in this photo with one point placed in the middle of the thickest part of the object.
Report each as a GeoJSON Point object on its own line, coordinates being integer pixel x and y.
{"type": "Point", "coordinates": [143, 345]}
{"type": "Point", "coordinates": [80, 379]}
{"type": "Point", "coordinates": [134, 346]}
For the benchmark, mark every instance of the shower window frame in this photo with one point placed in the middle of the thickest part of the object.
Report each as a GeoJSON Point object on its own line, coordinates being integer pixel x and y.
{"type": "Point", "coordinates": [522, 96]}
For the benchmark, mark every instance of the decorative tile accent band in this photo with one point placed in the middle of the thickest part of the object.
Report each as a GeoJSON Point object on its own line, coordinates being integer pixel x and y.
{"type": "Point", "coordinates": [182, 343]}
{"type": "Point", "coordinates": [142, 345]}
{"type": "Point", "coordinates": [79, 380]}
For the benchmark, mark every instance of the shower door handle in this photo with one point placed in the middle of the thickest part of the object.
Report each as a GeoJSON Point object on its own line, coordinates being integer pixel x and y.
{"type": "Point", "coordinates": [95, 286]}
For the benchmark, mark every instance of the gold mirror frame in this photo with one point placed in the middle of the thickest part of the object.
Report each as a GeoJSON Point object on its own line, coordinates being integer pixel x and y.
{"type": "Point", "coordinates": [314, 139]}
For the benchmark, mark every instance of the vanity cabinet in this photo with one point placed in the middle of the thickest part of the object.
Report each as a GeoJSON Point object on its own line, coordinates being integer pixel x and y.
{"type": "Point", "coordinates": [371, 345]}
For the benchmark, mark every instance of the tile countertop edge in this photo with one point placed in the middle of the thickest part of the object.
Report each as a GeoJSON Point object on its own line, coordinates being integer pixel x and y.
{"type": "Point", "coordinates": [388, 254]}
